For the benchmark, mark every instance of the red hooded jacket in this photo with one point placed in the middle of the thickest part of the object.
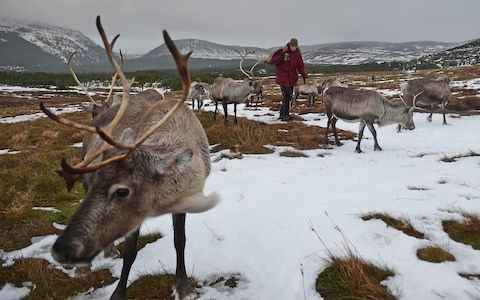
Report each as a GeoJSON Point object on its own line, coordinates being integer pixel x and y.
{"type": "Point", "coordinates": [287, 70]}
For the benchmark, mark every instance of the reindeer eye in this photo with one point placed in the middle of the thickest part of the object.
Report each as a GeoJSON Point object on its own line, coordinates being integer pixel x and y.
{"type": "Point", "coordinates": [122, 193]}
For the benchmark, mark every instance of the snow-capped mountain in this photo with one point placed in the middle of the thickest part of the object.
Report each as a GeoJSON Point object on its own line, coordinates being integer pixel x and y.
{"type": "Point", "coordinates": [353, 53]}
{"type": "Point", "coordinates": [466, 54]}
{"type": "Point", "coordinates": [205, 49]}
{"type": "Point", "coordinates": [41, 47]}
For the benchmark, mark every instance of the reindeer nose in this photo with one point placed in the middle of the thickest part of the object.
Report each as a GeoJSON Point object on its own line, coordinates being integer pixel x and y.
{"type": "Point", "coordinates": [67, 251]}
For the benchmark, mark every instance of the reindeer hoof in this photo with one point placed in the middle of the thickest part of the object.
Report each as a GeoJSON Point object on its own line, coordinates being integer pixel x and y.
{"type": "Point", "coordinates": [429, 119]}
{"type": "Point", "coordinates": [338, 143]}
{"type": "Point", "coordinates": [377, 148]}
{"type": "Point", "coordinates": [358, 150]}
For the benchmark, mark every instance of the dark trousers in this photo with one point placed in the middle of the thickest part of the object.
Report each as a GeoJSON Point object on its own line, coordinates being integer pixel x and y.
{"type": "Point", "coordinates": [287, 92]}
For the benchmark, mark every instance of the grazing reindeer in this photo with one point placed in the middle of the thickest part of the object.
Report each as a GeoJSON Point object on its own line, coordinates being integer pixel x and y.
{"type": "Point", "coordinates": [198, 91]}
{"type": "Point", "coordinates": [366, 107]}
{"type": "Point", "coordinates": [311, 89]}
{"type": "Point", "coordinates": [435, 92]}
{"type": "Point", "coordinates": [227, 91]}
{"type": "Point", "coordinates": [141, 158]}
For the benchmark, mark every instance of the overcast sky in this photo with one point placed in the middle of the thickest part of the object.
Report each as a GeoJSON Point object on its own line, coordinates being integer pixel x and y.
{"type": "Point", "coordinates": [262, 23]}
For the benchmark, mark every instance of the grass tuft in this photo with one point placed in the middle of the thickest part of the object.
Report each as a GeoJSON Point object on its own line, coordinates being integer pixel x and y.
{"type": "Point", "coordinates": [143, 240]}
{"type": "Point", "coordinates": [292, 153]}
{"type": "Point", "coordinates": [456, 157]}
{"type": "Point", "coordinates": [403, 225]}
{"type": "Point", "coordinates": [49, 282]}
{"type": "Point", "coordinates": [467, 232]}
{"type": "Point", "coordinates": [434, 254]}
{"type": "Point", "coordinates": [352, 278]}
{"type": "Point", "coordinates": [154, 286]}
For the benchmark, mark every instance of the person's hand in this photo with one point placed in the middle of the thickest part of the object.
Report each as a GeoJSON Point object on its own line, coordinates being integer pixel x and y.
{"type": "Point", "coordinates": [285, 49]}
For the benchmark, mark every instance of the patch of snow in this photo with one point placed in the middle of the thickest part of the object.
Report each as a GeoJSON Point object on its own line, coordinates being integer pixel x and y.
{"type": "Point", "coordinates": [56, 110]}
{"type": "Point", "coordinates": [77, 145]}
{"type": "Point", "coordinates": [8, 151]}
{"type": "Point", "coordinates": [11, 292]}
{"type": "Point", "coordinates": [49, 209]}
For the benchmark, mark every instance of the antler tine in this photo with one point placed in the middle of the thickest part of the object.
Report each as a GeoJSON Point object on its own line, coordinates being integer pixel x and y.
{"type": "Point", "coordinates": [127, 85]}
{"type": "Point", "coordinates": [242, 58]}
{"type": "Point", "coordinates": [70, 68]}
{"type": "Point", "coordinates": [114, 79]}
{"type": "Point", "coordinates": [182, 66]}
{"type": "Point", "coordinates": [66, 122]}
{"type": "Point", "coordinates": [401, 98]}
{"type": "Point", "coordinates": [259, 60]}
{"type": "Point", "coordinates": [415, 98]}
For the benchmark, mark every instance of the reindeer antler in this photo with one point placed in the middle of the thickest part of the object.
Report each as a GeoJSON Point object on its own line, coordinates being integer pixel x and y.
{"type": "Point", "coordinates": [76, 78]}
{"type": "Point", "coordinates": [242, 58]}
{"type": "Point", "coordinates": [70, 173]}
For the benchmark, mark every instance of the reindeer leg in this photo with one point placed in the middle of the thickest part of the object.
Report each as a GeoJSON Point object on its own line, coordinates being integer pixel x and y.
{"type": "Point", "coordinates": [443, 112]}
{"type": "Point", "coordinates": [429, 118]}
{"type": "Point", "coordinates": [216, 109]}
{"type": "Point", "coordinates": [376, 147]}
{"type": "Point", "coordinates": [360, 135]}
{"type": "Point", "coordinates": [399, 128]}
{"type": "Point", "coordinates": [181, 289]}
{"type": "Point", "coordinates": [235, 111]}
{"type": "Point", "coordinates": [337, 141]}
{"type": "Point", "coordinates": [329, 116]}
{"type": "Point", "coordinates": [128, 259]}
{"type": "Point", "coordinates": [225, 111]}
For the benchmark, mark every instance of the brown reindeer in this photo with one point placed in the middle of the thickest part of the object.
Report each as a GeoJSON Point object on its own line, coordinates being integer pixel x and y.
{"type": "Point", "coordinates": [140, 159]}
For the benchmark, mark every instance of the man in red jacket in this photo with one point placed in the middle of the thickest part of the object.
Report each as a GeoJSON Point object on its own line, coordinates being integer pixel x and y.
{"type": "Point", "coordinates": [288, 63]}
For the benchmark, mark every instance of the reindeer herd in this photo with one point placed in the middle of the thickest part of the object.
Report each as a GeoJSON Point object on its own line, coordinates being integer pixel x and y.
{"type": "Point", "coordinates": [144, 156]}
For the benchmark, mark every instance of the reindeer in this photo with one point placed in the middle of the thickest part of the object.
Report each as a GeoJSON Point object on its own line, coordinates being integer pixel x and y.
{"type": "Point", "coordinates": [141, 159]}
{"type": "Point", "coordinates": [198, 91]}
{"type": "Point", "coordinates": [311, 89]}
{"type": "Point", "coordinates": [227, 91]}
{"type": "Point", "coordinates": [331, 82]}
{"type": "Point", "coordinates": [366, 107]}
{"type": "Point", "coordinates": [435, 92]}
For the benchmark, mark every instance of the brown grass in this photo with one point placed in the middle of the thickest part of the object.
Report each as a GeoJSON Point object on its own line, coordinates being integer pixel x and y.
{"type": "Point", "coordinates": [403, 225]}
{"type": "Point", "coordinates": [434, 254]}
{"type": "Point", "coordinates": [292, 153]}
{"type": "Point", "coordinates": [252, 136]}
{"type": "Point", "coordinates": [50, 282]}
{"type": "Point", "coordinates": [467, 232]}
{"type": "Point", "coordinates": [352, 278]}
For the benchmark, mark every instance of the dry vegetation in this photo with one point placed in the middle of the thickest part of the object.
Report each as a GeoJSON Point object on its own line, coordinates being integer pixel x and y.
{"type": "Point", "coordinates": [467, 232]}
{"type": "Point", "coordinates": [155, 286]}
{"type": "Point", "coordinates": [434, 254]}
{"type": "Point", "coordinates": [404, 226]}
{"type": "Point", "coordinates": [352, 278]}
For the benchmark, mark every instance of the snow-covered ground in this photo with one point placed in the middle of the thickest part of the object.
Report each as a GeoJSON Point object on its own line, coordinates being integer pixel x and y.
{"type": "Point", "coordinates": [262, 228]}
{"type": "Point", "coordinates": [261, 231]}
{"type": "Point", "coordinates": [57, 110]}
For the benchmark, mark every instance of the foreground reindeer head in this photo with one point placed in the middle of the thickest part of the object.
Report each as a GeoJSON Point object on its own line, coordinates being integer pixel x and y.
{"type": "Point", "coordinates": [123, 178]}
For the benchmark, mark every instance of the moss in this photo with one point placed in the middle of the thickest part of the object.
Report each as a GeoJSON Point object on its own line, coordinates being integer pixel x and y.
{"type": "Point", "coordinates": [51, 283]}
{"type": "Point", "coordinates": [292, 153]}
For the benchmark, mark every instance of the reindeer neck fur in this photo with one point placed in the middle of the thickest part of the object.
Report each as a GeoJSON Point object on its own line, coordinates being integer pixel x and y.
{"type": "Point", "coordinates": [239, 91]}
{"type": "Point", "coordinates": [391, 114]}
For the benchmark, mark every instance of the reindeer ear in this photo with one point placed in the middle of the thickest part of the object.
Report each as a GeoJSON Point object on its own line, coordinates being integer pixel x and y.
{"type": "Point", "coordinates": [163, 164]}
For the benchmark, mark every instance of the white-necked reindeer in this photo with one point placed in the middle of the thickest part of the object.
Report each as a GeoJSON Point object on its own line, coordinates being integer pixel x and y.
{"type": "Point", "coordinates": [366, 107]}
{"type": "Point", "coordinates": [141, 158]}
